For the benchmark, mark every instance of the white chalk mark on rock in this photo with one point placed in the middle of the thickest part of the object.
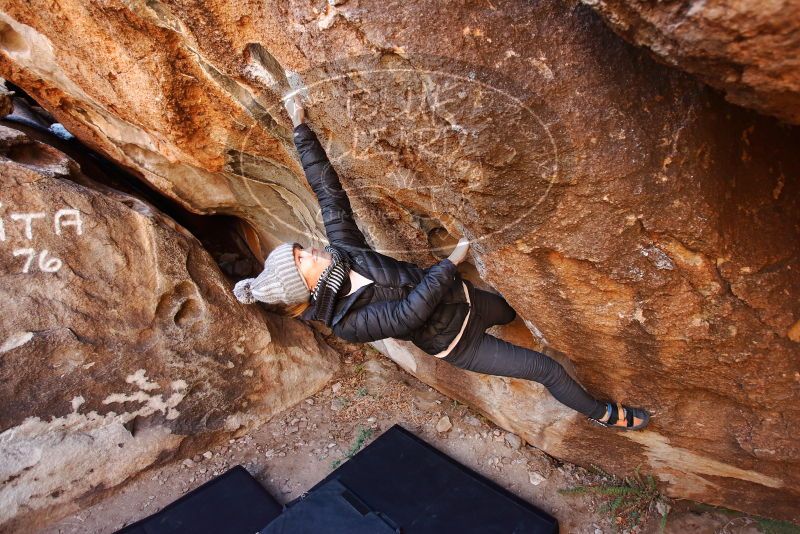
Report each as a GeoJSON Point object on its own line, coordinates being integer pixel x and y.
{"type": "Point", "coordinates": [28, 220]}
{"type": "Point", "coordinates": [140, 379]}
{"type": "Point", "coordinates": [76, 402]}
{"type": "Point", "coordinates": [23, 251]}
{"type": "Point", "coordinates": [151, 403]}
{"type": "Point", "coordinates": [46, 265]}
{"type": "Point", "coordinates": [75, 221]}
{"type": "Point", "coordinates": [16, 340]}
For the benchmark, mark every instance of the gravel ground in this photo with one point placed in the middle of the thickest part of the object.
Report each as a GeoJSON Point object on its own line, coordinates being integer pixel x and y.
{"type": "Point", "coordinates": [301, 446]}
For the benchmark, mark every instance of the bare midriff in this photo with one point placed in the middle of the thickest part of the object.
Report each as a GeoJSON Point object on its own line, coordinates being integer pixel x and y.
{"type": "Point", "coordinates": [449, 348]}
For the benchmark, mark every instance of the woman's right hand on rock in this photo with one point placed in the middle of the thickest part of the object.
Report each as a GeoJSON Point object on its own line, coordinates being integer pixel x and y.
{"type": "Point", "coordinates": [459, 253]}
{"type": "Point", "coordinates": [294, 107]}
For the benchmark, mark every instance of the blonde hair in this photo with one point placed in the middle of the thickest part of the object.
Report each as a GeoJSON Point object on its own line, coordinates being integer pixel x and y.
{"type": "Point", "coordinates": [297, 310]}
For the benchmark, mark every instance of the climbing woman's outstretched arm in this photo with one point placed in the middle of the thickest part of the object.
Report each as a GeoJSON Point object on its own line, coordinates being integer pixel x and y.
{"type": "Point", "coordinates": [337, 214]}
{"type": "Point", "coordinates": [398, 318]}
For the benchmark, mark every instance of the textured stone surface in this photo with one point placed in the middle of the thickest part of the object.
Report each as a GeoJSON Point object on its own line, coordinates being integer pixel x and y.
{"type": "Point", "coordinates": [5, 100]}
{"type": "Point", "coordinates": [636, 221]}
{"type": "Point", "coordinates": [121, 346]}
{"type": "Point", "coordinates": [748, 50]}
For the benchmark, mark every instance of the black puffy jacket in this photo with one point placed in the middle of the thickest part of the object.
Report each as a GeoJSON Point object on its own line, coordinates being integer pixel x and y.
{"type": "Point", "coordinates": [424, 306]}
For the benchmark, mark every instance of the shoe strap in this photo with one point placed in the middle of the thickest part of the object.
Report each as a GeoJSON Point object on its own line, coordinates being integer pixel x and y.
{"type": "Point", "coordinates": [614, 417]}
{"type": "Point", "coordinates": [629, 417]}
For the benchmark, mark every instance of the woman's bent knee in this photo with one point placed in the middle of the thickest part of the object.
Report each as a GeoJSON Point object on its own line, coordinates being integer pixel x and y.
{"type": "Point", "coordinates": [498, 310]}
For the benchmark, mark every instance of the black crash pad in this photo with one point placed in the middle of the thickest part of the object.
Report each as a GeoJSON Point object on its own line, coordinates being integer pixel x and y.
{"type": "Point", "coordinates": [331, 508]}
{"type": "Point", "coordinates": [399, 483]}
{"type": "Point", "coordinates": [231, 503]}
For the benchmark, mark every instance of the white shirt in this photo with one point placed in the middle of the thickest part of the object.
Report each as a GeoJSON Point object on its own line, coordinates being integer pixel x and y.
{"type": "Point", "coordinates": [356, 281]}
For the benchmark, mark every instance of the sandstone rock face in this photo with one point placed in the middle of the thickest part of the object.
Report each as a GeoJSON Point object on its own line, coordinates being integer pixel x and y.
{"type": "Point", "coordinates": [748, 50]}
{"type": "Point", "coordinates": [636, 221]}
{"type": "Point", "coordinates": [120, 344]}
{"type": "Point", "coordinates": [6, 105]}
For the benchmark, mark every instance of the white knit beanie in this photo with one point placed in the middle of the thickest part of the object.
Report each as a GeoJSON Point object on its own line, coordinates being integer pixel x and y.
{"type": "Point", "coordinates": [279, 283]}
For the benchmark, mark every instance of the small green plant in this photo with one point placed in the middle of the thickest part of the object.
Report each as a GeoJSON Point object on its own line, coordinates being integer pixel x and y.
{"type": "Point", "coordinates": [363, 435]}
{"type": "Point", "coordinates": [370, 348]}
{"type": "Point", "coordinates": [359, 369]}
{"type": "Point", "coordinates": [628, 501]}
{"type": "Point", "coordinates": [362, 392]}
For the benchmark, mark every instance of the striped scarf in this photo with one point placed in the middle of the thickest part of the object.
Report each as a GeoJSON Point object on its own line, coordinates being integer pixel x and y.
{"type": "Point", "coordinates": [330, 281]}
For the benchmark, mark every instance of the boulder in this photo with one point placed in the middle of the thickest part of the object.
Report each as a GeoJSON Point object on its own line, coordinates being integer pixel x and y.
{"type": "Point", "coordinates": [637, 222]}
{"type": "Point", "coordinates": [6, 105]}
{"type": "Point", "coordinates": [121, 345]}
{"type": "Point", "coordinates": [747, 50]}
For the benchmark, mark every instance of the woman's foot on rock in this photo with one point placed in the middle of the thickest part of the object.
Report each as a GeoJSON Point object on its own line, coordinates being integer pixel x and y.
{"type": "Point", "coordinates": [622, 415]}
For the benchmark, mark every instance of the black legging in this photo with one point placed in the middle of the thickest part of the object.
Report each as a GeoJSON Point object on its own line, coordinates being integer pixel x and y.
{"type": "Point", "coordinates": [483, 353]}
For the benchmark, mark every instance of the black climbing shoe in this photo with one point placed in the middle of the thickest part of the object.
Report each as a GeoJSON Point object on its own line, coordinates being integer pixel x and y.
{"type": "Point", "coordinates": [628, 413]}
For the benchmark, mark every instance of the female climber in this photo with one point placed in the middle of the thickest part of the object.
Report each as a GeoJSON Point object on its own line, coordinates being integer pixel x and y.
{"type": "Point", "coordinates": [363, 295]}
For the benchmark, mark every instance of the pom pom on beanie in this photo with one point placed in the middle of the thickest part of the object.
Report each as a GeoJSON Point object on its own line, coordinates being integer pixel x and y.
{"type": "Point", "coordinates": [244, 292]}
